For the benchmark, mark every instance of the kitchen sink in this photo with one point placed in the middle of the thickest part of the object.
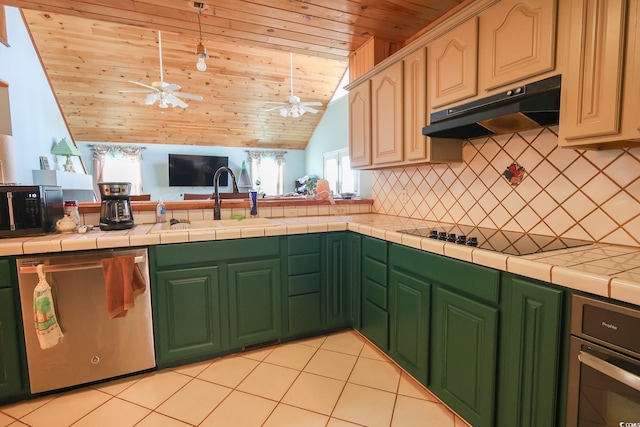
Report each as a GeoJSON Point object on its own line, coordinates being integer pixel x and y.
{"type": "Point", "coordinates": [210, 224]}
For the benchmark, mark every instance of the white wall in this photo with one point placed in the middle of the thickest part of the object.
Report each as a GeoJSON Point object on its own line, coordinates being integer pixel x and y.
{"type": "Point", "coordinates": [155, 167]}
{"type": "Point", "coordinates": [36, 121]}
{"type": "Point", "coordinates": [332, 134]}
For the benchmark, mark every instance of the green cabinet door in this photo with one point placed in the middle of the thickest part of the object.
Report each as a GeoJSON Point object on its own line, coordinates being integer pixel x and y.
{"type": "Point", "coordinates": [464, 339]}
{"type": "Point", "coordinates": [375, 315]}
{"type": "Point", "coordinates": [254, 301]}
{"type": "Point", "coordinates": [13, 381]}
{"type": "Point", "coordinates": [530, 353]}
{"type": "Point", "coordinates": [188, 317]}
{"type": "Point", "coordinates": [354, 278]}
{"type": "Point", "coordinates": [336, 289]}
{"type": "Point", "coordinates": [409, 307]}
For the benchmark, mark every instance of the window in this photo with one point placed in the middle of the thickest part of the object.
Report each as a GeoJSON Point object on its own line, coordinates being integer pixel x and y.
{"type": "Point", "coordinates": [266, 168]}
{"type": "Point", "coordinates": [337, 170]}
{"type": "Point", "coordinates": [118, 164]}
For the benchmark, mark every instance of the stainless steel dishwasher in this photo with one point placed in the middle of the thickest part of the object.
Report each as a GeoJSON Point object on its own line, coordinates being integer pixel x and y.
{"type": "Point", "coordinates": [94, 347]}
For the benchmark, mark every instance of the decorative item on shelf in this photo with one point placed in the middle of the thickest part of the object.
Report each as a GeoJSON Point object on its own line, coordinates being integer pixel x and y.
{"type": "Point", "coordinates": [244, 182]}
{"type": "Point", "coordinates": [201, 51]}
{"type": "Point", "coordinates": [65, 148]}
{"type": "Point", "coordinates": [44, 163]}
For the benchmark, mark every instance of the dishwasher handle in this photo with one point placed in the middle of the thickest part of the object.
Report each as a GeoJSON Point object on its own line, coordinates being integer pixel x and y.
{"type": "Point", "coordinates": [32, 269]}
{"type": "Point", "coordinates": [612, 371]}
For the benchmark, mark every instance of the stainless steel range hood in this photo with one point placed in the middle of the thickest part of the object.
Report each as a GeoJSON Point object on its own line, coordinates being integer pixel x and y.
{"type": "Point", "coordinates": [524, 107]}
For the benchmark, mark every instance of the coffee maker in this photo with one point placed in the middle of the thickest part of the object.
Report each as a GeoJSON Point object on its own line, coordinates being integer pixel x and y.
{"type": "Point", "coordinates": [115, 210]}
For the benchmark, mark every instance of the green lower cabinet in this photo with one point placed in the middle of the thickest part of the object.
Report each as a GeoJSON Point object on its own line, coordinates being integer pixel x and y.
{"type": "Point", "coordinates": [254, 302]}
{"type": "Point", "coordinates": [303, 293]}
{"type": "Point", "coordinates": [409, 306]}
{"type": "Point", "coordinates": [304, 314]}
{"type": "Point", "coordinates": [530, 353]}
{"type": "Point", "coordinates": [464, 348]}
{"type": "Point", "coordinates": [354, 278]}
{"type": "Point", "coordinates": [13, 381]}
{"type": "Point", "coordinates": [322, 269]}
{"type": "Point", "coordinates": [374, 309]}
{"type": "Point", "coordinates": [188, 316]}
{"type": "Point", "coordinates": [336, 289]}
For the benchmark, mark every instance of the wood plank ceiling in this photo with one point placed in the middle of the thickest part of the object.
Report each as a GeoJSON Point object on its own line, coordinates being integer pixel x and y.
{"type": "Point", "coordinates": [90, 50]}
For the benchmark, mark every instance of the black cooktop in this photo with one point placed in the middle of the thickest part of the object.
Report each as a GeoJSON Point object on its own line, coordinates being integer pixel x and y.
{"type": "Point", "coordinates": [507, 242]}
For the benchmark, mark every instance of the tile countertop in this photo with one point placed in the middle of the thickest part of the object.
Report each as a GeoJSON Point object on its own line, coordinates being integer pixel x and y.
{"type": "Point", "coordinates": [601, 269]}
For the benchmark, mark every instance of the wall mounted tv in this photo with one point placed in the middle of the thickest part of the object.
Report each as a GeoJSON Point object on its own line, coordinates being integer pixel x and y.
{"type": "Point", "coordinates": [187, 170]}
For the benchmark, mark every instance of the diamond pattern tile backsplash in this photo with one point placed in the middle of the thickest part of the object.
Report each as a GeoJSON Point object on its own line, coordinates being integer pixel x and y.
{"type": "Point", "coordinates": [584, 194]}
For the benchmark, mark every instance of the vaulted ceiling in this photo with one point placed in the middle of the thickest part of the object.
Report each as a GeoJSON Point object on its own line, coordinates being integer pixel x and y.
{"type": "Point", "coordinates": [91, 50]}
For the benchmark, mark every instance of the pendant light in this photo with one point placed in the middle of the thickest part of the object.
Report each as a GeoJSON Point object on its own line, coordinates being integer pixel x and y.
{"type": "Point", "coordinates": [201, 51]}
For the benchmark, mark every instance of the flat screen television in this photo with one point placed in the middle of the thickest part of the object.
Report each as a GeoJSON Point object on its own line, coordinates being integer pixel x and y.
{"type": "Point", "coordinates": [187, 170]}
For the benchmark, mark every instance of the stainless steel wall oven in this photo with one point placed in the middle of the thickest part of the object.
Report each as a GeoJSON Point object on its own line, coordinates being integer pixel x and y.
{"type": "Point", "coordinates": [604, 365]}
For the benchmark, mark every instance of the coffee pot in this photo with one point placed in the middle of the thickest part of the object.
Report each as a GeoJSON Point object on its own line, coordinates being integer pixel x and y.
{"type": "Point", "coordinates": [115, 209]}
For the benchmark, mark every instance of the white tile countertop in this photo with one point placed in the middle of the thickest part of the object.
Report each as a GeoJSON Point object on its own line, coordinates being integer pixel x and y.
{"type": "Point", "coordinates": [601, 269]}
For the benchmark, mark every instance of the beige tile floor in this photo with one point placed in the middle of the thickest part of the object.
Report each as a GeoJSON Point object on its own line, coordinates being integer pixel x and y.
{"type": "Point", "coordinates": [339, 380]}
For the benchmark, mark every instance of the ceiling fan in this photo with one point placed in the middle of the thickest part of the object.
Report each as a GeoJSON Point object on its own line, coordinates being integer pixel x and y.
{"type": "Point", "coordinates": [293, 107]}
{"type": "Point", "coordinates": [166, 93]}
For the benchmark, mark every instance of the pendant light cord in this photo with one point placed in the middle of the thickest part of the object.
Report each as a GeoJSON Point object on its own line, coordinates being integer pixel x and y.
{"type": "Point", "coordinates": [199, 25]}
{"type": "Point", "coordinates": [291, 70]}
{"type": "Point", "coordinates": [160, 55]}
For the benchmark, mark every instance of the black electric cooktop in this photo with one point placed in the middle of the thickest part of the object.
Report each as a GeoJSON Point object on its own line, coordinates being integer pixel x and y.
{"type": "Point", "coordinates": [507, 242]}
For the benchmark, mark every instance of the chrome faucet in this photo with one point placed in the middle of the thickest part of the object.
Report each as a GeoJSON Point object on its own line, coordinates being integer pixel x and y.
{"type": "Point", "coordinates": [216, 193]}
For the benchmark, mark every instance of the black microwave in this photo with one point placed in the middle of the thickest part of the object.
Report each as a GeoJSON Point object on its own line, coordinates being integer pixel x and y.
{"type": "Point", "coordinates": [29, 210]}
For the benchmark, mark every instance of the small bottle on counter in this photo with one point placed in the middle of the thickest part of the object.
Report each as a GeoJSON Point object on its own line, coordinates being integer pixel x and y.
{"type": "Point", "coordinates": [161, 212]}
{"type": "Point", "coordinates": [253, 203]}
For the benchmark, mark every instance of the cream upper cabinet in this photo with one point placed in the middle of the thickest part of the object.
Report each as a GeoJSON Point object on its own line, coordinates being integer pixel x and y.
{"type": "Point", "coordinates": [453, 61]}
{"type": "Point", "coordinates": [360, 125]}
{"type": "Point", "coordinates": [415, 105]}
{"type": "Point", "coordinates": [517, 41]}
{"type": "Point", "coordinates": [387, 115]}
{"type": "Point", "coordinates": [600, 92]}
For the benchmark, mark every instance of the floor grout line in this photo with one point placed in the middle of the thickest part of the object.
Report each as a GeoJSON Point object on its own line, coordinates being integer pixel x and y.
{"type": "Point", "coordinates": [261, 360]}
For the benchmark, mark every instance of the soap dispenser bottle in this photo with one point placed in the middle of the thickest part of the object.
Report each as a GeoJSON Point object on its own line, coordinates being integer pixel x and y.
{"type": "Point", "coordinates": [161, 212]}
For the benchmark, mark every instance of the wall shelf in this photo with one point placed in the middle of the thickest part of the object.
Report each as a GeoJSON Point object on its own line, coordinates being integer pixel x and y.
{"type": "Point", "coordinates": [75, 186]}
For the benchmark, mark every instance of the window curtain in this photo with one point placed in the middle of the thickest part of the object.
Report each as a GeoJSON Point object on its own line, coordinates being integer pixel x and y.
{"type": "Point", "coordinates": [262, 173]}
{"type": "Point", "coordinates": [118, 164]}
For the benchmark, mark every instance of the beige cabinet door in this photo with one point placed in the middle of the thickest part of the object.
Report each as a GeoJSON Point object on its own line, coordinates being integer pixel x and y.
{"type": "Point", "coordinates": [360, 125]}
{"type": "Point", "coordinates": [387, 115]}
{"type": "Point", "coordinates": [453, 61]}
{"type": "Point", "coordinates": [415, 105]}
{"type": "Point", "coordinates": [600, 106]}
{"type": "Point", "coordinates": [517, 41]}
{"type": "Point", "coordinates": [592, 87]}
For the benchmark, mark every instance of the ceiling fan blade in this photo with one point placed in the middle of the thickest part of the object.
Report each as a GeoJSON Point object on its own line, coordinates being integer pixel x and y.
{"type": "Point", "coordinates": [307, 108]}
{"type": "Point", "coordinates": [171, 87]}
{"type": "Point", "coordinates": [312, 103]}
{"type": "Point", "coordinates": [151, 99]}
{"type": "Point", "coordinates": [188, 96]}
{"type": "Point", "coordinates": [276, 102]}
{"type": "Point", "coordinates": [134, 91]}
{"type": "Point", "coordinates": [175, 101]}
{"type": "Point", "coordinates": [273, 108]}
{"type": "Point", "coordinates": [144, 85]}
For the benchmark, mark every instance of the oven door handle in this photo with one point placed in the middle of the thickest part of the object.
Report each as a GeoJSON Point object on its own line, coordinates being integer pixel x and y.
{"type": "Point", "coordinates": [625, 377]}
